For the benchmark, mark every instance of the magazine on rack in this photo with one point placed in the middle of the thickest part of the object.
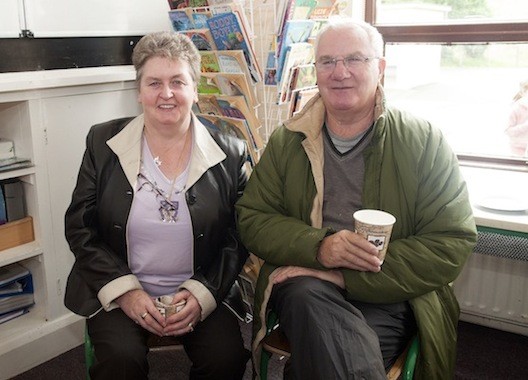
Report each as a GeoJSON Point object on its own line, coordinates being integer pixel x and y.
{"type": "Point", "coordinates": [233, 126]}
{"type": "Point", "coordinates": [296, 31]}
{"type": "Point", "coordinates": [201, 38]}
{"type": "Point", "coordinates": [229, 33]}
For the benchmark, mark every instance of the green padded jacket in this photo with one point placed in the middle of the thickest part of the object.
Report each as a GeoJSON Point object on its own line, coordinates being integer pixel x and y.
{"type": "Point", "coordinates": [411, 172]}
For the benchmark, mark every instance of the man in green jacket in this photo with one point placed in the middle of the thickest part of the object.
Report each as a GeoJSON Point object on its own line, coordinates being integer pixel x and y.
{"type": "Point", "coordinates": [345, 314]}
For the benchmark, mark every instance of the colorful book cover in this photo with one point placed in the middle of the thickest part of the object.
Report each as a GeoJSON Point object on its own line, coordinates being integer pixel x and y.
{"type": "Point", "coordinates": [295, 10]}
{"type": "Point", "coordinates": [302, 76]}
{"type": "Point", "coordinates": [270, 77]}
{"type": "Point", "coordinates": [219, 2]}
{"type": "Point", "coordinates": [206, 85]}
{"type": "Point", "coordinates": [219, 9]}
{"type": "Point", "coordinates": [230, 126]}
{"type": "Point", "coordinates": [201, 38]}
{"type": "Point", "coordinates": [209, 62]}
{"type": "Point", "coordinates": [231, 63]}
{"type": "Point", "coordinates": [228, 86]}
{"type": "Point", "coordinates": [208, 121]}
{"type": "Point", "coordinates": [198, 3]}
{"type": "Point", "coordinates": [229, 110]}
{"type": "Point", "coordinates": [318, 25]}
{"type": "Point", "coordinates": [305, 77]}
{"type": "Point", "coordinates": [233, 84]}
{"type": "Point", "coordinates": [323, 9]}
{"type": "Point", "coordinates": [200, 19]}
{"type": "Point", "coordinates": [296, 54]}
{"type": "Point", "coordinates": [296, 31]}
{"type": "Point", "coordinates": [270, 73]}
{"type": "Point", "coordinates": [180, 20]}
{"type": "Point", "coordinates": [208, 105]}
{"type": "Point", "coordinates": [176, 4]}
{"type": "Point", "coordinates": [300, 98]}
{"type": "Point", "coordinates": [236, 105]}
{"type": "Point", "coordinates": [227, 34]}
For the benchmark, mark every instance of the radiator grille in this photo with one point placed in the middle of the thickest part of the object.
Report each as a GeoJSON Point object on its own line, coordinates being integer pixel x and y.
{"type": "Point", "coordinates": [492, 289]}
{"type": "Point", "coordinates": [503, 245]}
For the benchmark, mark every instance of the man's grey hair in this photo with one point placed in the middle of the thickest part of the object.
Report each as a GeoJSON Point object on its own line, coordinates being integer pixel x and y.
{"type": "Point", "coordinates": [374, 36]}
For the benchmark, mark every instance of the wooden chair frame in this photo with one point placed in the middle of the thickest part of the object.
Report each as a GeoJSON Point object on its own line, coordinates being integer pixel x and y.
{"type": "Point", "coordinates": [276, 342]}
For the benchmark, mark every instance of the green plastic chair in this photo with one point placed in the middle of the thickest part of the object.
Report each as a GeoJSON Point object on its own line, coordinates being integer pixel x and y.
{"type": "Point", "coordinates": [89, 355]}
{"type": "Point", "coordinates": [276, 343]}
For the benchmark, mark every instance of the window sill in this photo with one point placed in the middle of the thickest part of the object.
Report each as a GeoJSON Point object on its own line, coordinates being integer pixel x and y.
{"type": "Point", "coordinates": [485, 184]}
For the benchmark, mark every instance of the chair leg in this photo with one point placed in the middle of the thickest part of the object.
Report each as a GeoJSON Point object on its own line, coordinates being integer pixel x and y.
{"type": "Point", "coordinates": [264, 361]}
{"type": "Point", "coordinates": [88, 353]}
{"type": "Point", "coordinates": [410, 362]}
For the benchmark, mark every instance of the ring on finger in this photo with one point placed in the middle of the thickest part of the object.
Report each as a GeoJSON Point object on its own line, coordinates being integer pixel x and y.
{"type": "Point", "coordinates": [144, 315]}
{"type": "Point", "coordinates": [191, 328]}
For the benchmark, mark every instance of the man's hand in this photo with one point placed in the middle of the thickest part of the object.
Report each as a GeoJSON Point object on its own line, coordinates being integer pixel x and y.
{"type": "Point", "coordinates": [346, 249]}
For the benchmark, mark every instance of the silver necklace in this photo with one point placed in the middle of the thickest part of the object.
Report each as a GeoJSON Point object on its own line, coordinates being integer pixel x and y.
{"type": "Point", "coordinates": [168, 208]}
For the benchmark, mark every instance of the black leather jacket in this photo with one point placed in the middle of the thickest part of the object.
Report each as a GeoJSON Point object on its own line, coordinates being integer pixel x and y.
{"type": "Point", "coordinates": [95, 222]}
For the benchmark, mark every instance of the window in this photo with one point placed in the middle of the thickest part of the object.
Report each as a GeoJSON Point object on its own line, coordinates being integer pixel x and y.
{"type": "Point", "coordinates": [459, 64]}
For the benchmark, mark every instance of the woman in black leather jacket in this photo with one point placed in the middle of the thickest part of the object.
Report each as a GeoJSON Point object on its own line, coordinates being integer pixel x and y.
{"type": "Point", "coordinates": [152, 215]}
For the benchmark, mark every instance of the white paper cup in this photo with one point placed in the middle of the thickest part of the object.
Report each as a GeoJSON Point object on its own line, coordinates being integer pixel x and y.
{"type": "Point", "coordinates": [376, 227]}
{"type": "Point", "coordinates": [166, 307]}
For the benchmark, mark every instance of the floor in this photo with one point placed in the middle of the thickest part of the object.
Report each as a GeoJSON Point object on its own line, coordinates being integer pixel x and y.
{"type": "Point", "coordinates": [483, 353]}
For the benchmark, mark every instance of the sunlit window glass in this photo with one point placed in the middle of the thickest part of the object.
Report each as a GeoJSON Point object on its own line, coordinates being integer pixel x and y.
{"type": "Point", "coordinates": [466, 90]}
{"type": "Point", "coordinates": [449, 11]}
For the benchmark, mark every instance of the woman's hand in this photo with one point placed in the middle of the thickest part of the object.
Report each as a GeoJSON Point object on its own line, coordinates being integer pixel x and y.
{"type": "Point", "coordinates": [139, 307]}
{"type": "Point", "coordinates": [283, 273]}
{"type": "Point", "coordinates": [185, 320]}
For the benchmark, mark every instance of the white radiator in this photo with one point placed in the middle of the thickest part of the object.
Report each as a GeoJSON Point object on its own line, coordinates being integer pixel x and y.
{"type": "Point", "coordinates": [493, 287]}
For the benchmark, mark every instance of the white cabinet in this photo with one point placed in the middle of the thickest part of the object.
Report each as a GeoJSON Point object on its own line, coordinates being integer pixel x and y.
{"type": "Point", "coordinates": [48, 114]}
{"type": "Point", "coordinates": [66, 18]}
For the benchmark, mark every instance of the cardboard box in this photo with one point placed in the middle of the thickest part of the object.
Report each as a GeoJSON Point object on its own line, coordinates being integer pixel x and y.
{"type": "Point", "coordinates": [16, 233]}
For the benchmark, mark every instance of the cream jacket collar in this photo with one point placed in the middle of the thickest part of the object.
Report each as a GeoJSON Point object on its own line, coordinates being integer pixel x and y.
{"type": "Point", "coordinates": [127, 146]}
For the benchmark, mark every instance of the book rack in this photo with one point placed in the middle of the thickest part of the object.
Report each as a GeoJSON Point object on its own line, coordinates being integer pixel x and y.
{"type": "Point", "coordinates": [227, 90]}
{"type": "Point", "coordinates": [286, 30]}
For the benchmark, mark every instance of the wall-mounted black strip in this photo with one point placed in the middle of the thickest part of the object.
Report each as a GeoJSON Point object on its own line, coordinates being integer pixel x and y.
{"type": "Point", "coordinates": [30, 54]}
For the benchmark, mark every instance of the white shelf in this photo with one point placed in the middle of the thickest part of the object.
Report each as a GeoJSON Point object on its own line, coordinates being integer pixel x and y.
{"type": "Point", "coordinates": [17, 173]}
{"type": "Point", "coordinates": [33, 80]}
{"type": "Point", "coordinates": [18, 253]}
{"type": "Point", "coordinates": [30, 327]}
{"type": "Point", "coordinates": [20, 330]}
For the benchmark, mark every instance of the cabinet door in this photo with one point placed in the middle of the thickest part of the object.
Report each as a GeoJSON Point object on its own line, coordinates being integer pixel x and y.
{"type": "Point", "coordinates": [10, 19]}
{"type": "Point", "coordinates": [69, 18]}
{"type": "Point", "coordinates": [66, 121]}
